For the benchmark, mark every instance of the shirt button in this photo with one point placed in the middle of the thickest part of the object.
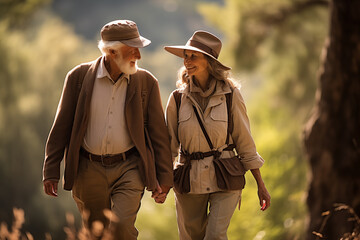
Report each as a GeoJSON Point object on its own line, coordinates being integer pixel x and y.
{"type": "Point", "coordinates": [109, 127]}
{"type": "Point", "coordinates": [222, 98]}
{"type": "Point", "coordinates": [206, 166]}
{"type": "Point", "coordinates": [208, 189]}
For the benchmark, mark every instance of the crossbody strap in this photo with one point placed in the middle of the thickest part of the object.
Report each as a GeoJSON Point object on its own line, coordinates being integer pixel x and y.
{"type": "Point", "coordinates": [230, 125]}
{"type": "Point", "coordinates": [203, 129]}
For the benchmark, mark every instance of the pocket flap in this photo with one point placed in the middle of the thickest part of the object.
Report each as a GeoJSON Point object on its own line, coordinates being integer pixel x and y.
{"type": "Point", "coordinates": [233, 166]}
{"type": "Point", "coordinates": [219, 113]}
{"type": "Point", "coordinates": [184, 114]}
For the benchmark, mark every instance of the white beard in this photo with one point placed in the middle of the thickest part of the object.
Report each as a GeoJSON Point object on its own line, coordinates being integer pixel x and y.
{"type": "Point", "coordinates": [125, 66]}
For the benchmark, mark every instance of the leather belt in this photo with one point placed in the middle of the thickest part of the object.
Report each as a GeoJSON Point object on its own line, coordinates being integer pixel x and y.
{"type": "Point", "coordinates": [108, 159]}
{"type": "Point", "coordinates": [202, 155]}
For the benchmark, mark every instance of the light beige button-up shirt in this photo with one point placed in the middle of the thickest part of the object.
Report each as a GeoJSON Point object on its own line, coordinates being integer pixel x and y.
{"type": "Point", "coordinates": [107, 132]}
{"type": "Point", "coordinates": [213, 113]}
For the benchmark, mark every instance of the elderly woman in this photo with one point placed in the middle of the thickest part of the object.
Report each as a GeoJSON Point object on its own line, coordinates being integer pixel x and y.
{"type": "Point", "coordinates": [209, 127]}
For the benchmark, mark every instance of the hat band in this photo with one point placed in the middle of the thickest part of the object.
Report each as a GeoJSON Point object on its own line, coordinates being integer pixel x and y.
{"type": "Point", "coordinates": [118, 36]}
{"type": "Point", "coordinates": [203, 47]}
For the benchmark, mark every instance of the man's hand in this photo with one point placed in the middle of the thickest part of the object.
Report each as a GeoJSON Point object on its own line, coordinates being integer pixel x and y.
{"type": "Point", "coordinates": [51, 187]}
{"type": "Point", "coordinates": [159, 195]}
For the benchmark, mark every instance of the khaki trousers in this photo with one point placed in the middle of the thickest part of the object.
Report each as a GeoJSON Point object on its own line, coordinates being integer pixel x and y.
{"type": "Point", "coordinates": [205, 216]}
{"type": "Point", "coordinates": [118, 188]}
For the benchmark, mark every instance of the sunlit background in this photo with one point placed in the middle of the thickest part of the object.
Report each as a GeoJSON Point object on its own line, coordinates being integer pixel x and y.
{"type": "Point", "coordinates": [274, 56]}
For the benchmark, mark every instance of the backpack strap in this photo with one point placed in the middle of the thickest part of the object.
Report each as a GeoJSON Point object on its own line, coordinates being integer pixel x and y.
{"type": "Point", "coordinates": [177, 96]}
{"type": "Point", "coordinates": [230, 122]}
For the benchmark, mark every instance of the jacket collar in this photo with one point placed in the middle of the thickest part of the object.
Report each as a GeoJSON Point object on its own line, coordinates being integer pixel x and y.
{"type": "Point", "coordinates": [221, 88]}
{"type": "Point", "coordinates": [216, 98]}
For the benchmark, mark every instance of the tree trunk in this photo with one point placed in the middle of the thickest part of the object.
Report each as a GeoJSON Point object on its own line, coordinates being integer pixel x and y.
{"type": "Point", "coordinates": [332, 135]}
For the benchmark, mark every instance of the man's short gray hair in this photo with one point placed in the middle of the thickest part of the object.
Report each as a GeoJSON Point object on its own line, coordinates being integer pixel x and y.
{"type": "Point", "coordinates": [106, 46]}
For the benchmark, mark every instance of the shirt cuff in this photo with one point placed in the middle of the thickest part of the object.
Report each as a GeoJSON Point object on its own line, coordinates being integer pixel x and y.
{"type": "Point", "coordinates": [252, 162]}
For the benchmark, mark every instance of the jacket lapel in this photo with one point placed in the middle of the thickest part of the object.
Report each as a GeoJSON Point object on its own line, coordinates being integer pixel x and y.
{"type": "Point", "coordinates": [87, 89]}
{"type": "Point", "coordinates": [131, 106]}
{"type": "Point", "coordinates": [130, 92]}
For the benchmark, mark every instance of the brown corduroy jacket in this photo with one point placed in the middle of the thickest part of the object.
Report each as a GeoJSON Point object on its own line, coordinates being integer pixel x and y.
{"type": "Point", "coordinates": [144, 117]}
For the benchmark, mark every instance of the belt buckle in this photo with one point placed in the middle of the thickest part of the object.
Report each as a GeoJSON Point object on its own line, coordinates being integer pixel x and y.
{"type": "Point", "coordinates": [102, 159]}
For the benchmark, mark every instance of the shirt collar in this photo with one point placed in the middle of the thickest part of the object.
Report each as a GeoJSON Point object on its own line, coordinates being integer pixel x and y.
{"type": "Point", "coordinates": [102, 72]}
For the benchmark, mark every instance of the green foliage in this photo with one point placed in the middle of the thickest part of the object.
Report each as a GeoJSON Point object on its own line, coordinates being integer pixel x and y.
{"type": "Point", "coordinates": [164, 66]}
{"type": "Point", "coordinates": [33, 65]}
{"type": "Point", "coordinates": [16, 13]}
{"type": "Point", "coordinates": [157, 221]}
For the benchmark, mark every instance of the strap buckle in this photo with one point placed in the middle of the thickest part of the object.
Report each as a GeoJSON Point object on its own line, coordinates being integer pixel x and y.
{"type": "Point", "coordinates": [198, 155]}
{"type": "Point", "coordinates": [217, 154]}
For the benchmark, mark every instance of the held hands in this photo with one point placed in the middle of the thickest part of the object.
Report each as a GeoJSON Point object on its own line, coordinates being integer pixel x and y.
{"type": "Point", "coordinates": [159, 195]}
{"type": "Point", "coordinates": [51, 187]}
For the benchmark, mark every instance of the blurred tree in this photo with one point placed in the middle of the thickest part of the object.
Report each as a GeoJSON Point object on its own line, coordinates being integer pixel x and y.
{"type": "Point", "coordinates": [13, 15]}
{"type": "Point", "coordinates": [16, 13]}
{"type": "Point", "coordinates": [35, 57]}
{"type": "Point", "coordinates": [275, 44]}
{"type": "Point", "coordinates": [333, 134]}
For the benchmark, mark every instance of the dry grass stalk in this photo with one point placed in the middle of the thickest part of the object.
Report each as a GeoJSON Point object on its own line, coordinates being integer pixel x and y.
{"type": "Point", "coordinates": [97, 230]}
{"type": "Point", "coordinates": [354, 235]}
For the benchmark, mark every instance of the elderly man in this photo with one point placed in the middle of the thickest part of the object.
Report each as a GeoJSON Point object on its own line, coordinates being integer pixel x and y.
{"type": "Point", "coordinates": [110, 129]}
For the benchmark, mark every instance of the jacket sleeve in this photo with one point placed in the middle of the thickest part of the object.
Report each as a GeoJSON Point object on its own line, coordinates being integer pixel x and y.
{"type": "Point", "coordinates": [159, 137]}
{"type": "Point", "coordinates": [245, 145]}
{"type": "Point", "coordinates": [59, 136]}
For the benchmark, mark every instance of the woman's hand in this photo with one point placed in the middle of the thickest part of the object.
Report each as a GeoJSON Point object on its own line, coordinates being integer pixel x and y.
{"type": "Point", "coordinates": [263, 193]}
{"type": "Point", "coordinates": [264, 197]}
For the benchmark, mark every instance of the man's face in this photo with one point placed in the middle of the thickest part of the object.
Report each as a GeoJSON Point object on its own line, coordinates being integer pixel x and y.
{"type": "Point", "coordinates": [127, 58]}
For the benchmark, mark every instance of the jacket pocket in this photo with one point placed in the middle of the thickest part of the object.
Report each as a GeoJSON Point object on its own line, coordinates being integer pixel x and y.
{"type": "Point", "coordinates": [217, 127]}
{"type": "Point", "coordinates": [184, 114]}
{"type": "Point", "coordinates": [219, 113]}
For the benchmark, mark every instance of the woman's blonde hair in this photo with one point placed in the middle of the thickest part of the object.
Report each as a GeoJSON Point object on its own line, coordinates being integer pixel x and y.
{"type": "Point", "coordinates": [215, 69]}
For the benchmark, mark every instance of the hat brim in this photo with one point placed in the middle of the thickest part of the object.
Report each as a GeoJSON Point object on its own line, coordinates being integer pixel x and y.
{"type": "Point", "coordinates": [179, 51]}
{"type": "Point", "coordinates": [139, 42]}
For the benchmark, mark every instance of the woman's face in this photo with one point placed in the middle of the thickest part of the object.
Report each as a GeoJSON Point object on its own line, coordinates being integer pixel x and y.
{"type": "Point", "coordinates": [195, 63]}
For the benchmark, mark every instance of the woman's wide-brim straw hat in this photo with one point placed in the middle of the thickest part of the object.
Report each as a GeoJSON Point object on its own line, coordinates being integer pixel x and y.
{"type": "Point", "coordinates": [200, 41]}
